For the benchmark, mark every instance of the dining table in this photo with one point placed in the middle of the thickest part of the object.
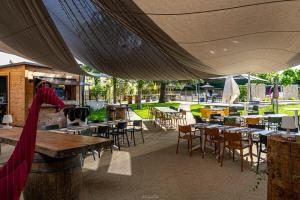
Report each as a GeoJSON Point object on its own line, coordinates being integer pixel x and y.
{"type": "Point", "coordinates": [166, 110]}
{"type": "Point", "coordinates": [56, 171]}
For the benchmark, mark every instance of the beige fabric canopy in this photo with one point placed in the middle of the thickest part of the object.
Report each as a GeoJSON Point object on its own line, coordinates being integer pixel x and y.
{"type": "Point", "coordinates": [27, 30]}
{"type": "Point", "coordinates": [226, 36]}
{"type": "Point", "coordinates": [157, 39]}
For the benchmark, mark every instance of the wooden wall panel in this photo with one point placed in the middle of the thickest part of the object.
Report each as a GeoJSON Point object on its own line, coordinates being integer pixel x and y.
{"type": "Point", "coordinates": [16, 103]}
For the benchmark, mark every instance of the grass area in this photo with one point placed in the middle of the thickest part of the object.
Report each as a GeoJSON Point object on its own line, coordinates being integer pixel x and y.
{"type": "Point", "coordinates": [195, 109]}
{"type": "Point", "coordinates": [143, 113]}
{"type": "Point", "coordinates": [99, 114]}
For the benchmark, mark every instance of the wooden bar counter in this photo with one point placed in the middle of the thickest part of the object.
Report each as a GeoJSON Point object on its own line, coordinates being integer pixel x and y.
{"type": "Point", "coordinates": [56, 169]}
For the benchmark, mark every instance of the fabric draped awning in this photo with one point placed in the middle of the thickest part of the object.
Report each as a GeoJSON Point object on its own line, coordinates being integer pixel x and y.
{"type": "Point", "coordinates": [157, 39]}
{"type": "Point", "coordinates": [27, 30]}
{"type": "Point", "coordinates": [220, 36]}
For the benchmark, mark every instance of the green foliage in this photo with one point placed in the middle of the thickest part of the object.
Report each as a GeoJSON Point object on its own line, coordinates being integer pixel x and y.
{"type": "Point", "coordinates": [99, 114]}
{"type": "Point", "coordinates": [243, 93]}
{"type": "Point", "coordinates": [288, 77]}
{"type": "Point", "coordinates": [98, 91]}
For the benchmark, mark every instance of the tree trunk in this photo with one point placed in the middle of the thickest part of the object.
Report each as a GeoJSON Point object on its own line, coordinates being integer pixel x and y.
{"type": "Point", "coordinates": [162, 94]}
{"type": "Point", "coordinates": [114, 90]}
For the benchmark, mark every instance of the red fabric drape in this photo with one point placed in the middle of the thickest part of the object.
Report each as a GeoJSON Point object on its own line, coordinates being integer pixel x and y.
{"type": "Point", "coordinates": [14, 173]}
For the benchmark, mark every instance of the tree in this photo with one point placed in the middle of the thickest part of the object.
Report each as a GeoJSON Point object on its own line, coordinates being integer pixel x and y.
{"type": "Point", "coordinates": [140, 86]}
{"type": "Point", "coordinates": [114, 82]}
{"type": "Point", "coordinates": [97, 91]}
{"type": "Point", "coordinates": [162, 94]}
{"type": "Point", "coordinates": [288, 77]}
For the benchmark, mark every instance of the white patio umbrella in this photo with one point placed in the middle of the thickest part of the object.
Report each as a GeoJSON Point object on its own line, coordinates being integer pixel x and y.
{"type": "Point", "coordinates": [231, 90]}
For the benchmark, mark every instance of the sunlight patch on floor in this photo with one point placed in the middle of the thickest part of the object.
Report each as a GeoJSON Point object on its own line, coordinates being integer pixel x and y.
{"type": "Point", "coordinates": [120, 163]}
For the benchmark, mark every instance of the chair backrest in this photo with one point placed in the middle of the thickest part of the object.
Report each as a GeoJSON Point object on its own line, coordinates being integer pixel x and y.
{"type": "Point", "coordinates": [269, 112]}
{"type": "Point", "coordinates": [198, 119]}
{"type": "Point", "coordinates": [254, 120]}
{"type": "Point", "coordinates": [275, 120]}
{"type": "Point", "coordinates": [263, 139]}
{"type": "Point", "coordinates": [215, 116]}
{"type": "Point", "coordinates": [103, 129]}
{"type": "Point", "coordinates": [137, 123]}
{"type": "Point", "coordinates": [212, 131]}
{"type": "Point", "coordinates": [235, 114]}
{"type": "Point", "coordinates": [205, 112]}
{"type": "Point", "coordinates": [96, 121]}
{"type": "Point", "coordinates": [232, 109]}
{"type": "Point", "coordinates": [184, 129]}
{"type": "Point", "coordinates": [234, 140]}
{"type": "Point", "coordinates": [294, 130]}
{"type": "Point", "coordinates": [252, 113]}
{"type": "Point", "coordinates": [74, 124]}
{"type": "Point", "coordinates": [86, 132]}
{"type": "Point", "coordinates": [226, 111]}
{"type": "Point", "coordinates": [52, 127]}
{"type": "Point", "coordinates": [255, 108]}
{"type": "Point", "coordinates": [121, 125]}
{"type": "Point", "coordinates": [258, 126]}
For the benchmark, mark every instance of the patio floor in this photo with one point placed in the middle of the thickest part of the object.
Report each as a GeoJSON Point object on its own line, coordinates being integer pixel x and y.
{"type": "Point", "coordinates": [153, 171]}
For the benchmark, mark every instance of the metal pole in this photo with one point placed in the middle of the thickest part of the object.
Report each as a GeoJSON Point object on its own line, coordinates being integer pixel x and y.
{"type": "Point", "coordinates": [249, 88]}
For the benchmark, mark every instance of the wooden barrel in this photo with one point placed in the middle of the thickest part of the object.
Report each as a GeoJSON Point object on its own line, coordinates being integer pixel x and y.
{"type": "Point", "coordinates": [54, 178]}
{"type": "Point", "coordinates": [129, 99]}
{"type": "Point", "coordinates": [283, 169]}
{"type": "Point", "coordinates": [121, 113]}
{"type": "Point", "coordinates": [111, 113]}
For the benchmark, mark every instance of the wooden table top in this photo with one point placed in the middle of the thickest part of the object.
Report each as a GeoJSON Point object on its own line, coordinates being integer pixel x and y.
{"type": "Point", "coordinates": [56, 145]}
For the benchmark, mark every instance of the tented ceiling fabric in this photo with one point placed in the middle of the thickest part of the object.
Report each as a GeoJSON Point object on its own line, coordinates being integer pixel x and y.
{"type": "Point", "coordinates": [155, 39]}
{"type": "Point", "coordinates": [27, 30]}
{"type": "Point", "coordinates": [225, 36]}
{"type": "Point", "coordinates": [96, 39]}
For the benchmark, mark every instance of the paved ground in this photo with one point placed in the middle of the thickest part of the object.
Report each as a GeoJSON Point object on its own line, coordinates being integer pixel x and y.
{"type": "Point", "coordinates": [153, 171]}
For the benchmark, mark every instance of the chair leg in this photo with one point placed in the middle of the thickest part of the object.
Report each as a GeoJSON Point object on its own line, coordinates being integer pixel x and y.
{"type": "Point", "coordinates": [233, 155]}
{"type": "Point", "coordinates": [258, 161]}
{"type": "Point", "coordinates": [118, 138]}
{"type": "Point", "coordinates": [191, 148]}
{"type": "Point", "coordinates": [222, 157]}
{"type": "Point", "coordinates": [242, 160]}
{"type": "Point", "coordinates": [126, 138]}
{"type": "Point", "coordinates": [251, 156]}
{"type": "Point", "coordinates": [177, 145]}
{"type": "Point", "coordinates": [188, 145]}
{"type": "Point", "coordinates": [204, 145]}
{"type": "Point", "coordinates": [142, 136]}
{"type": "Point", "coordinates": [133, 137]}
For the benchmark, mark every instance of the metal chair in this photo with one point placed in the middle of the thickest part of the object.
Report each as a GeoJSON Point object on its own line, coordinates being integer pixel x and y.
{"type": "Point", "coordinates": [121, 129]}
{"type": "Point", "coordinates": [263, 140]}
{"type": "Point", "coordinates": [137, 127]}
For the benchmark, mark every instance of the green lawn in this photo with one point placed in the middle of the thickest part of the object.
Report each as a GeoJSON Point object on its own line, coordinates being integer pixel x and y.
{"type": "Point", "coordinates": [143, 113]}
{"type": "Point", "coordinates": [196, 111]}
{"type": "Point", "coordinates": [99, 114]}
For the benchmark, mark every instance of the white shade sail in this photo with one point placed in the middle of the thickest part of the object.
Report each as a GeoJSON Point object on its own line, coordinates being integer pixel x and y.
{"type": "Point", "coordinates": [231, 90]}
